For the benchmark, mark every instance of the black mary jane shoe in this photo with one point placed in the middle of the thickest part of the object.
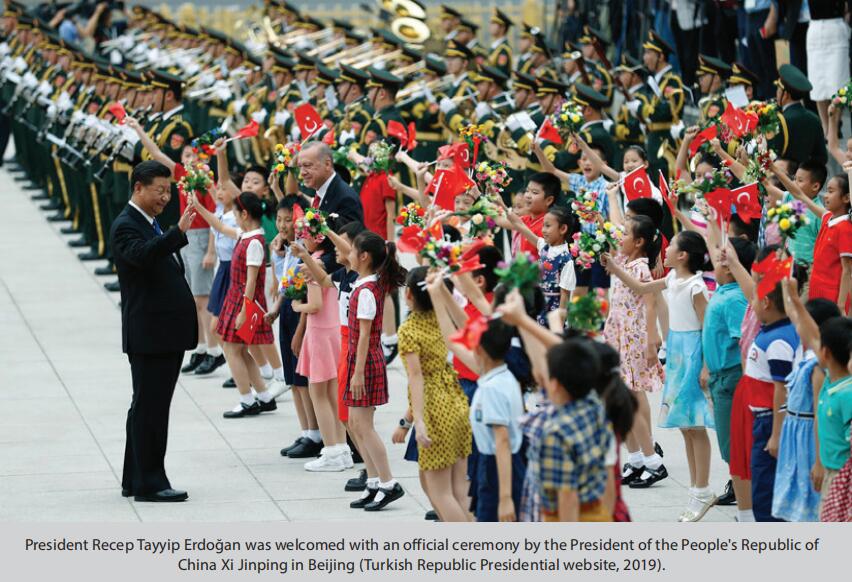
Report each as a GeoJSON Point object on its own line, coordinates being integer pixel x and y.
{"type": "Point", "coordinates": [364, 501]}
{"type": "Point", "coordinates": [252, 409]}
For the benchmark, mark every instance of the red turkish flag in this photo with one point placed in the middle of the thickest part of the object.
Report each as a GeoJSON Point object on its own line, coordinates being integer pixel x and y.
{"type": "Point", "coordinates": [738, 120]}
{"type": "Point", "coordinates": [702, 136]}
{"type": "Point", "coordinates": [666, 193]}
{"type": "Point", "coordinates": [412, 136]}
{"type": "Point", "coordinates": [720, 201]}
{"type": "Point", "coordinates": [472, 249]}
{"type": "Point", "coordinates": [436, 231]}
{"type": "Point", "coordinates": [411, 240]}
{"type": "Point", "coordinates": [254, 317]}
{"type": "Point", "coordinates": [117, 110]}
{"type": "Point", "coordinates": [471, 333]}
{"type": "Point", "coordinates": [747, 201]}
{"type": "Point", "coordinates": [248, 131]}
{"type": "Point", "coordinates": [774, 270]}
{"type": "Point", "coordinates": [637, 184]}
{"type": "Point", "coordinates": [448, 183]}
{"type": "Point", "coordinates": [298, 213]}
{"type": "Point", "coordinates": [308, 120]}
{"type": "Point", "coordinates": [548, 132]}
{"type": "Point", "coordinates": [328, 138]}
{"type": "Point", "coordinates": [397, 130]}
{"type": "Point", "coordinates": [459, 152]}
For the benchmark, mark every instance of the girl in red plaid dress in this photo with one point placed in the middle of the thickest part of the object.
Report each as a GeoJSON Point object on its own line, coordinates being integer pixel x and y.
{"type": "Point", "coordinates": [248, 277]}
{"type": "Point", "coordinates": [379, 273]}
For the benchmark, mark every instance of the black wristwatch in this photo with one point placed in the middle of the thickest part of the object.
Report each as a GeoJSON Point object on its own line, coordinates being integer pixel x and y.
{"type": "Point", "coordinates": [405, 424]}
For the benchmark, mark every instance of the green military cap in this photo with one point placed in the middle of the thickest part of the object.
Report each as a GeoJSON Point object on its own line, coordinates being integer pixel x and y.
{"type": "Point", "coordinates": [51, 40]}
{"type": "Point", "coordinates": [386, 38]}
{"type": "Point", "coordinates": [499, 17]}
{"type": "Point", "coordinates": [279, 50]}
{"type": "Point", "coordinates": [740, 75]}
{"type": "Point", "coordinates": [253, 59]}
{"type": "Point", "coordinates": [358, 37]}
{"type": "Point", "coordinates": [465, 24]}
{"type": "Point", "coordinates": [585, 95]}
{"type": "Point", "coordinates": [591, 35]}
{"type": "Point", "coordinates": [305, 62]}
{"type": "Point", "coordinates": [489, 73]}
{"type": "Point", "coordinates": [236, 47]}
{"type": "Point", "coordinates": [325, 75]}
{"type": "Point", "coordinates": [524, 81]}
{"type": "Point", "coordinates": [282, 62]}
{"type": "Point", "coordinates": [286, 6]}
{"type": "Point", "coordinates": [12, 8]}
{"type": "Point", "coordinates": [410, 55]}
{"type": "Point", "coordinates": [160, 79]}
{"type": "Point", "coordinates": [540, 45]}
{"type": "Point", "coordinates": [449, 12]}
{"type": "Point", "coordinates": [24, 22]}
{"type": "Point", "coordinates": [188, 31]}
{"type": "Point", "coordinates": [656, 43]}
{"type": "Point", "coordinates": [708, 65]}
{"type": "Point", "coordinates": [629, 64]}
{"type": "Point", "coordinates": [794, 81]}
{"type": "Point", "coordinates": [134, 79]}
{"type": "Point", "coordinates": [435, 64]}
{"type": "Point", "coordinates": [384, 79]}
{"type": "Point", "coordinates": [341, 25]}
{"type": "Point", "coordinates": [548, 86]}
{"type": "Point", "coordinates": [311, 23]}
{"type": "Point", "coordinates": [571, 51]}
{"type": "Point", "coordinates": [529, 30]}
{"type": "Point", "coordinates": [352, 75]}
{"type": "Point", "coordinates": [457, 49]}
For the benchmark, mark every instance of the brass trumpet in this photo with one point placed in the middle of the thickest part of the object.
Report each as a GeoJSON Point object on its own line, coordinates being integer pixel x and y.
{"type": "Point", "coordinates": [372, 60]}
{"type": "Point", "coordinates": [327, 47]}
{"type": "Point", "coordinates": [349, 55]}
{"type": "Point", "coordinates": [409, 69]}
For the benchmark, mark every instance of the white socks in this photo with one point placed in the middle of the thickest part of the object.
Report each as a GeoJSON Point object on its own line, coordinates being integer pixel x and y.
{"type": "Point", "coordinates": [201, 349]}
{"type": "Point", "coordinates": [247, 399]}
{"type": "Point", "coordinates": [652, 462]}
{"type": "Point", "coordinates": [266, 371]}
{"type": "Point", "coordinates": [698, 496]}
{"type": "Point", "coordinates": [215, 352]}
{"type": "Point", "coordinates": [384, 487]}
{"type": "Point", "coordinates": [635, 459]}
{"type": "Point", "coordinates": [390, 340]}
{"type": "Point", "coordinates": [372, 485]}
{"type": "Point", "coordinates": [745, 515]}
{"type": "Point", "coordinates": [264, 396]}
{"type": "Point", "coordinates": [278, 373]}
{"type": "Point", "coordinates": [314, 435]}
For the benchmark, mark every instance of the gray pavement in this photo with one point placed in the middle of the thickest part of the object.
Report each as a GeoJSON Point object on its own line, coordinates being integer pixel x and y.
{"type": "Point", "coordinates": [65, 388]}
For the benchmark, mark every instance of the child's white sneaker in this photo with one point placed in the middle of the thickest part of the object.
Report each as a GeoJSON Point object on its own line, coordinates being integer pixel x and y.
{"type": "Point", "coordinates": [329, 461]}
{"type": "Point", "coordinates": [277, 388]}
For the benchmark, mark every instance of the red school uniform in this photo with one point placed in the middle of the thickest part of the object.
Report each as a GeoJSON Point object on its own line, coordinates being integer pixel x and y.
{"type": "Point", "coordinates": [534, 223]}
{"type": "Point", "coordinates": [833, 242]}
{"type": "Point", "coordinates": [374, 192]}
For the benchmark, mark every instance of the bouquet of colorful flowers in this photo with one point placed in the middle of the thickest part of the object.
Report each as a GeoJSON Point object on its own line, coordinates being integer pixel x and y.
{"type": "Point", "coordinates": [412, 214]}
{"type": "Point", "coordinates": [312, 225]}
{"type": "Point", "coordinates": [294, 286]}
{"type": "Point", "coordinates": [585, 205]}
{"type": "Point", "coordinates": [282, 156]}
{"type": "Point", "coordinates": [379, 156]}
{"type": "Point", "coordinates": [757, 169]}
{"type": "Point", "coordinates": [588, 312]}
{"type": "Point", "coordinates": [340, 157]}
{"type": "Point", "coordinates": [709, 182]}
{"type": "Point", "coordinates": [768, 122]}
{"type": "Point", "coordinates": [588, 246]}
{"type": "Point", "coordinates": [492, 176]}
{"type": "Point", "coordinates": [843, 97]}
{"type": "Point", "coordinates": [198, 178]}
{"type": "Point", "coordinates": [203, 144]}
{"type": "Point", "coordinates": [522, 273]}
{"type": "Point", "coordinates": [789, 216]}
{"type": "Point", "coordinates": [569, 119]}
{"type": "Point", "coordinates": [482, 214]}
{"type": "Point", "coordinates": [441, 254]}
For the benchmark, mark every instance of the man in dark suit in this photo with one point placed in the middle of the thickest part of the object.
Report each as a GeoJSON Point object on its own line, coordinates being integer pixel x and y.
{"type": "Point", "coordinates": [158, 324]}
{"type": "Point", "coordinates": [333, 195]}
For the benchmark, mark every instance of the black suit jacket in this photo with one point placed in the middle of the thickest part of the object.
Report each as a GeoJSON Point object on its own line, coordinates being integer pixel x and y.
{"type": "Point", "coordinates": [342, 200]}
{"type": "Point", "coordinates": [157, 309]}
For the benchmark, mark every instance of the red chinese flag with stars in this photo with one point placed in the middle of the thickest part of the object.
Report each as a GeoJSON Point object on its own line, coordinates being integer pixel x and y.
{"type": "Point", "coordinates": [398, 130]}
{"type": "Point", "coordinates": [773, 271]}
{"type": "Point", "coordinates": [738, 120]}
{"type": "Point", "coordinates": [308, 120]}
{"type": "Point", "coordinates": [250, 130]}
{"type": "Point", "coordinates": [548, 132]}
{"type": "Point", "coordinates": [254, 317]}
{"type": "Point", "coordinates": [637, 184]}
{"type": "Point", "coordinates": [702, 136]}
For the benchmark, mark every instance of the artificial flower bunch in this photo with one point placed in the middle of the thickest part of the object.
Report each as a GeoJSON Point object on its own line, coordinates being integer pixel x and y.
{"type": "Point", "coordinates": [522, 273]}
{"type": "Point", "coordinates": [587, 313]}
{"type": "Point", "coordinates": [586, 247]}
{"type": "Point", "coordinates": [203, 144]}
{"type": "Point", "coordinates": [569, 119]}
{"type": "Point", "coordinates": [312, 225]}
{"type": "Point", "coordinates": [294, 286]}
{"type": "Point", "coordinates": [768, 123]}
{"type": "Point", "coordinates": [585, 205]}
{"type": "Point", "coordinates": [757, 169]}
{"type": "Point", "coordinates": [482, 215]}
{"type": "Point", "coordinates": [379, 156]}
{"type": "Point", "coordinates": [493, 176]}
{"type": "Point", "coordinates": [789, 216]}
{"type": "Point", "coordinates": [282, 156]}
{"type": "Point", "coordinates": [709, 182]}
{"type": "Point", "coordinates": [843, 97]}
{"type": "Point", "coordinates": [198, 178]}
{"type": "Point", "coordinates": [412, 215]}
{"type": "Point", "coordinates": [441, 254]}
{"type": "Point", "coordinates": [340, 157]}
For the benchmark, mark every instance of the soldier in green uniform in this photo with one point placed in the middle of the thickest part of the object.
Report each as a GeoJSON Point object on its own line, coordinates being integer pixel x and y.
{"type": "Point", "coordinates": [628, 126]}
{"type": "Point", "coordinates": [356, 110]}
{"type": "Point", "coordinates": [525, 43]}
{"type": "Point", "coordinates": [540, 63]}
{"type": "Point", "coordinates": [593, 46]}
{"type": "Point", "coordinates": [801, 137]}
{"type": "Point", "coordinates": [467, 35]}
{"type": "Point", "coordinates": [741, 76]}
{"type": "Point", "coordinates": [711, 74]}
{"type": "Point", "coordinates": [424, 111]}
{"type": "Point", "coordinates": [461, 89]}
{"type": "Point", "coordinates": [450, 20]}
{"type": "Point", "coordinates": [664, 110]}
{"type": "Point", "coordinates": [500, 53]}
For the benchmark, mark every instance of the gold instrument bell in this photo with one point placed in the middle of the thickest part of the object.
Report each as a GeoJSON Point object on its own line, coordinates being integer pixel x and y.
{"type": "Point", "coordinates": [405, 9]}
{"type": "Point", "coordinates": [411, 30]}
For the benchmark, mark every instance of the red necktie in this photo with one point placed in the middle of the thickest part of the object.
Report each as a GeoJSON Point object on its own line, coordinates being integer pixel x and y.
{"type": "Point", "coordinates": [315, 203]}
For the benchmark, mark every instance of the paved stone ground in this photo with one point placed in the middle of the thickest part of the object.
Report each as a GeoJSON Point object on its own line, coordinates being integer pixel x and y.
{"type": "Point", "coordinates": [65, 388]}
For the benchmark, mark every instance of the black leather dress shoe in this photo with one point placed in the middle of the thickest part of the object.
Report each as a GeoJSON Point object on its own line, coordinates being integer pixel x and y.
{"type": "Point", "coordinates": [728, 497]}
{"type": "Point", "coordinates": [358, 483]}
{"type": "Point", "coordinates": [78, 243]}
{"type": "Point", "coordinates": [629, 473]}
{"type": "Point", "coordinates": [69, 230]}
{"type": "Point", "coordinates": [305, 450]}
{"type": "Point", "coordinates": [105, 270]}
{"type": "Point", "coordinates": [112, 286]}
{"type": "Point", "coordinates": [649, 477]}
{"type": "Point", "coordinates": [362, 503]}
{"type": "Point", "coordinates": [252, 409]}
{"type": "Point", "coordinates": [166, 495]}
{"type": "Point", "coordinates": [194, 361]}
{"type": "Point", "coordinates": [658, 449]}
{"type": "Point", "coordinates": [390, 495]}
{"type": "Point", "coordinates": [209, 365]}
{"type": "Point", "coordinates": [126, 493]}
{"type": "Point", "coordinates": [390, 352]}
{"type": "Point", "coordinates": [90, 256]}
{"type": "Point", "coordinates": [50, 206]}
{"type": "Point", "coordinates": [268, 406]}
{"type": "Point", "coordinates": [295, 444]}
{"type": "Point", "coordinates": [58, 217]}
{"type": "Point", "coordinates": [432, 515]}
{"type": "Point", "coordinates": [229, 383]}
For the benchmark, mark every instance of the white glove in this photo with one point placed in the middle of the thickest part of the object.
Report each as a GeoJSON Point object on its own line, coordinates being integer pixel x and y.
{"type": "Point", "coordinates": [513, 123]}
{"type": "Point", "coordinates": [115, 57]}
{"type": "Point", "coordinates": [191, 68]}
{"type": "Point", "coordinates": [259, 115]}
{"type": "Point", "coordinates": [482, 110]}
{"type": "Point", "coordinates": [633, 106]}
{"type": "Point", "coordinates": [20, 65]}
{"type": "Point", "coordinates": [430, 97]}
{"type": "Point", "coordinates": [44, 89]}
{"type": "Point", "coordinates": [239, 104]}
{"type": "Point", "coordinates": [677, 130]}
{"type": "Point", "coordinates": [64, 102]}
{"type": "Point", "coordinates": [30, 80]}
{"type": "Point", "coordinates": [346, 136]}
{"type": "Point", "coordinates": [281, 118]}
{"type": "Point", "coordinates": [607, 123]}
{"type": "Point", "coordinates": [206, 80]}
{"type": "Point", "coordinates": [526, 121]}
{"type": "Point", "coordinates": [4, 49]}
{"type": "Point", "coordinates": [447, 106]}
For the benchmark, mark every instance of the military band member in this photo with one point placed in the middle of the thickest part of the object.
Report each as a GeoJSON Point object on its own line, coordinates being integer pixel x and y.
{"type": "Point", "coordinates": [500, 53]}
{"type": "Point", "coordinates": [466, 34]}
{"type": "Point", "coordinates": [664, 110]}
{"type": "Point", "coordinates": [450, 20]}
{"type": "Point", "coordinates": [425, 111]}
{"type": "Point", "coordinates": [593, 45]}
{"type": "Point", "coordinates": [540, 63]}
{"type": "Point", "coordinates": [711, 74]}
{"type": "Point", "coordinates": [743, 77]}
{"type": "Point", "coordinates": [525, 43]}
{"type": "Point", "coordinates": [461, 89]}
{"type": "Point", "coordinates": [628, 127]}
{"type": "Point", "coordinates": [357, 112]}
{"type": "Point", "coordinates": [800, 138]}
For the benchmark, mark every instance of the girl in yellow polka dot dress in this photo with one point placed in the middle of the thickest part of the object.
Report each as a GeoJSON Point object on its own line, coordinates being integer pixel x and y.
{"type": "Point", "coordinates": [439, 405]}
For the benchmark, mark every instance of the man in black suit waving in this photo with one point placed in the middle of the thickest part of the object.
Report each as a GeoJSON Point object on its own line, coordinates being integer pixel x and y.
{"type": "Point", "coordinates": [158, 324]}
{"type": "Point", "coordinates": [333, 194]}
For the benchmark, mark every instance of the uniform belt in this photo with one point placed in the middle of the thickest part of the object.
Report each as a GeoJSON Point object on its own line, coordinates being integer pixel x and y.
{"type": "Point", "coordinates": [660, 126]}
{"type": "Point", "coordinates": [800, 414]}
{"type": "Point", "coordinates": [430, 136]}
{"type": "Point", "coordinates": [122, 167]}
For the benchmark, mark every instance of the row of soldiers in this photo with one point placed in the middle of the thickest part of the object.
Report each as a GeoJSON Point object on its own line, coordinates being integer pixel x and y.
{"type": "Point", "coordinates": [181, 82]}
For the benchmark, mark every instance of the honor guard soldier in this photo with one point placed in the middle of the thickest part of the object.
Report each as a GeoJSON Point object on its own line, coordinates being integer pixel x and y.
{"type": "Point", "coordinates": [500, 54]}
{"type": "Point", "coordinates": [628, 127]}
{"type": "Point", "coordinates": [490, 83]}
{"type": "Point", "coordinates": [381, 95]}
{"type": "Point", "coordinates": [742, 77]}
{"type": "Point", "coordinates": [525, 43]}
{"type": "Point", "coordinates": [425, 111]}
{"type": "Point", "coordinates": [550, 95]}
{"type": "Point", "coordinates": [457, 57]}
{"type": "Point", "coordinates": [450, 20]}
{"type": "Point", "coordinates": [595, 129]}
{"type": "Point", "coordinates": [711, 74]}
{"type": "Point", "coordinates": [466, 35]}
{"type": "Point", "coordinates": [593, 46]}
{"type": "Point", "coordinates": [801, 137]}
{"type": "Point", "coordinates": [352, 92]}
{"type": "Point", "coordinates": [664, 110]}
{"type": "Point", "coordinates": [540, 62]}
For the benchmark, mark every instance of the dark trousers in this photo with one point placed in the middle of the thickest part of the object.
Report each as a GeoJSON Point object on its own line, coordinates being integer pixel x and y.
{"type": "Point", "coordinates": [762, 468]}
{"type": "Point", "coordinates": [761, 55]}
{"type": "Point", "coordinates": [5, 132]}
{"type": "Point", "coordinates": [154, 379]}
{"type": "Point", "coordinates": [485, 489]}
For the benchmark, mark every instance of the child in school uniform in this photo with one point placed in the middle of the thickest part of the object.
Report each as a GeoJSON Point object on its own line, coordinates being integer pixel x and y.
{"type": "Point", "coordinates": [221, 280]}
